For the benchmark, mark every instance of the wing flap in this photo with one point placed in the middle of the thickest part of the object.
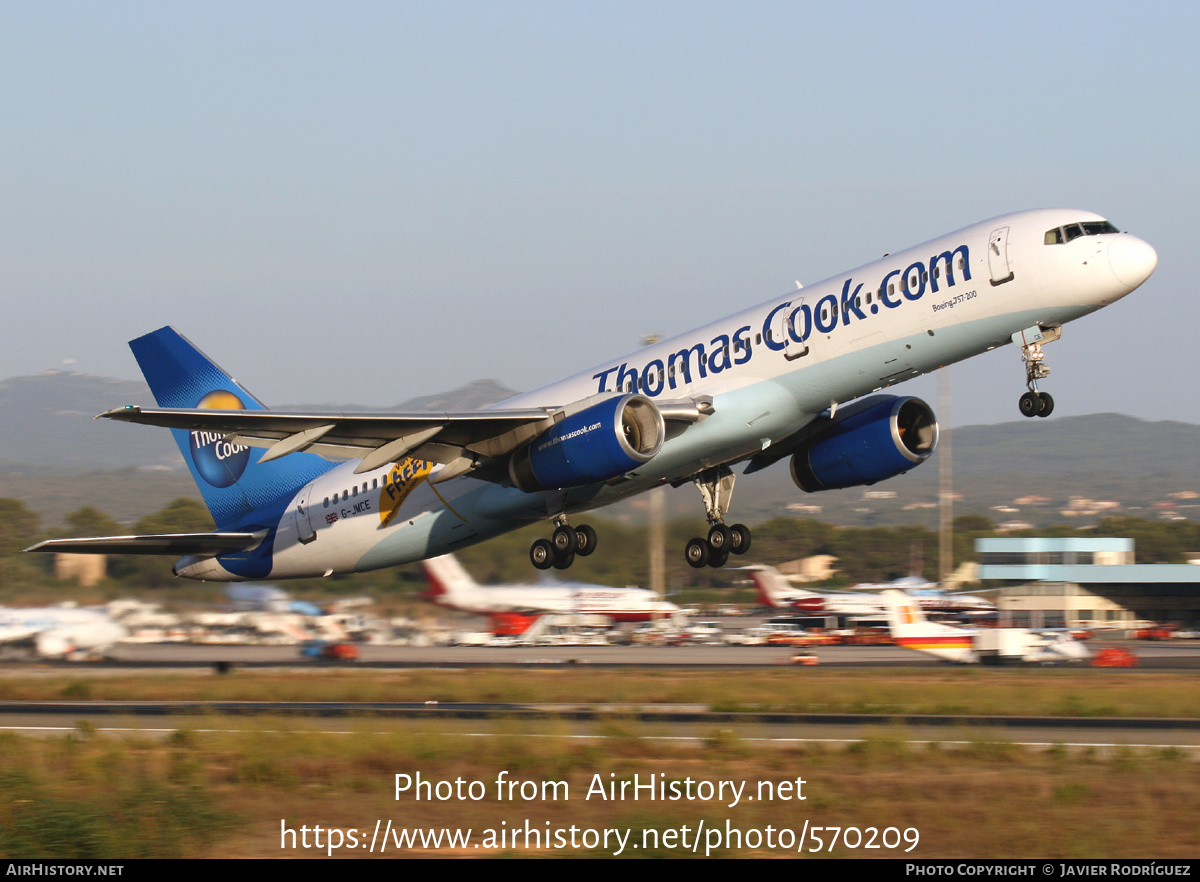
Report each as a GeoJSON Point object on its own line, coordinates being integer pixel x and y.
{"type": "Point", "coordinates": [354, 435]}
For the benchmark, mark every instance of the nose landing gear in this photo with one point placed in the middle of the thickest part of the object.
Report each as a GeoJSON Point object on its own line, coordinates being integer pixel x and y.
{"type": "Point", "coordinates": [716, 487]}
{"type": "Point", "coordinates": [1034, 403]}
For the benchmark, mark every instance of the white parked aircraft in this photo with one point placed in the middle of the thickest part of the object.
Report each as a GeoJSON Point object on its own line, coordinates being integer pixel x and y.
{"type": "Point", "coordinates": [930, 597]}
{"type": "Point", "coordinates": [910, 629]}
{"type": "Point", "coordinates": [782, 379]}
{"type": "Point", "coordinates": [451, 585]}
{"type": "Point", "coordinates": [776, 591]}
{"type": "Point", "coordinates": [58, 631]}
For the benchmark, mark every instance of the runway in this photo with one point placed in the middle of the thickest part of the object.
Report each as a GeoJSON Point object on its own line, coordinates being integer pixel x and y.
{"type": "Point", "coordinates": [1151, 656]}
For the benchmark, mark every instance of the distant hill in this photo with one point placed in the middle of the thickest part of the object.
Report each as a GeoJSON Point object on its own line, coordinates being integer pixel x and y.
{"type": "Point", "coordinates": [57, 458]}
{"type": "Point", "coordinates": [46, 419]}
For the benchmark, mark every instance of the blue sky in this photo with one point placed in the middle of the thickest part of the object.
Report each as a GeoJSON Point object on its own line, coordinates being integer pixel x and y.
{"type": "Point", "coordinates": [364, 202]}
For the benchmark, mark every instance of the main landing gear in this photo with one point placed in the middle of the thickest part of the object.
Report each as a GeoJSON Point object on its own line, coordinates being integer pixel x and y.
{"type": "Point", "coordinates": [716, 487]}
{"type": "Point", "coordinates": [1034, 403]}
{"type": "Point", "coordinates": [560, 549]}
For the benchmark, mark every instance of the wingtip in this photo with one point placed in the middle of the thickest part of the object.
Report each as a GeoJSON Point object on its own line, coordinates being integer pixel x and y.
{"type": "Point", "coordinates": [117, 412]}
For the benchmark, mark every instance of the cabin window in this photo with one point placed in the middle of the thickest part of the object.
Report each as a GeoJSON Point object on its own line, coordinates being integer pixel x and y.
{"type": "Point", "coordinates": [327, 502]}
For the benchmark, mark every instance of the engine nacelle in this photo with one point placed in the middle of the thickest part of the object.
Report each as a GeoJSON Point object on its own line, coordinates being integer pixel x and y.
{"type": "Point", "coordinates": [874, 439]}
{"type": "Point", "coordinates": [599, 443]}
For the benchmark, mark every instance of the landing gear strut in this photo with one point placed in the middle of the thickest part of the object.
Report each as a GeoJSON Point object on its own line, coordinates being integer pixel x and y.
{"type": "Point", "coordinates": [1034, 403]}
{"type": "Point", "coordinates": [716, 488]}
{"type": "Point", "coordinates": [560, 549]}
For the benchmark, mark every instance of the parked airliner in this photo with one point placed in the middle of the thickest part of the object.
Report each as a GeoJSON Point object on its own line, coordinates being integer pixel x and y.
{"type": "Point", "coordinates": [59, 631]}
{"type": "Point", "coordinates": [451, 585]}
{"type": "Point", "coordinates": [910, 629]}
{"type": "Point", "coordinates": [785, 378]}
{"type": "Point", "coordinates": [774, 590]}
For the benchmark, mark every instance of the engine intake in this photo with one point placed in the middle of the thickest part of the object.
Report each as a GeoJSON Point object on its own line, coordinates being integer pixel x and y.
{"type": "Point", "coordinates": [872, 440]}
{"type": "Point", "coordinates": [599, 443]}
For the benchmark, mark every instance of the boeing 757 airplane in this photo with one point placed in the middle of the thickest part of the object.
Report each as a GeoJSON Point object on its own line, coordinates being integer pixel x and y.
{"type": "Point", "coordinates": [792, 377]}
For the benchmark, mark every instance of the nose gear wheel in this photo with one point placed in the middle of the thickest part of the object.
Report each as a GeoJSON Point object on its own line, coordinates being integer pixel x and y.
{"type": "Point", "coordinates": [716, 488]}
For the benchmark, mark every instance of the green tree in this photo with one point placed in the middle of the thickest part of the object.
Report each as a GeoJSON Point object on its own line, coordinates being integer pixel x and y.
{"type": "Point", "coordinates": [19, 526]}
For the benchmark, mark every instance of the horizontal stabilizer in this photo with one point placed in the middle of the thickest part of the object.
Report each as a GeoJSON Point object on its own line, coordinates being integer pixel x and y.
{"type": "Point", "coordinates": [178, 544]}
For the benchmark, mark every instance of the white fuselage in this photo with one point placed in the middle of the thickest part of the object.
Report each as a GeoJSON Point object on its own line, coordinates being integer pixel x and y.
{"type": "Point", "coordinates": [769, 370]}
{"type": "Point", "coordinates": [450, 585]}
{"type": "Point", "coordinates": [57, 631]}
{"type": "Point", "coordinates": [619, 604]}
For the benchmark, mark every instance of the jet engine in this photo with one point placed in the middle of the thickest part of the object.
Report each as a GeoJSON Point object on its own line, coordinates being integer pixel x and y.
{"type": "Point", "coordinates": [599, 443]}
{"type": "Point", "coordinates": [871, 440]}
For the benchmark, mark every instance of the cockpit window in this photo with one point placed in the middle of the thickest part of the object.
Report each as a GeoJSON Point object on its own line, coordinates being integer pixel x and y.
{"type": "Point", "coordinates": [1074, 231]}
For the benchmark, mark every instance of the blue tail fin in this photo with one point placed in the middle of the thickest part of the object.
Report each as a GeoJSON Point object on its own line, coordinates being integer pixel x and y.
{"type": "Point", "coordinates": [232, 481]}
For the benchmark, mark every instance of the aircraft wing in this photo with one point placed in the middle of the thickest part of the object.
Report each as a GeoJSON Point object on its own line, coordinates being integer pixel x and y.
{"type": "Point", "coordinates": [200, 544]}
{"type": "Point", "coordinates": [459, 440]}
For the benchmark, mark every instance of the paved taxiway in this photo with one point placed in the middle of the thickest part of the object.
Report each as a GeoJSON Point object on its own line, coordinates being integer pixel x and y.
{"type": "Point", "coordinates": [680, 723]}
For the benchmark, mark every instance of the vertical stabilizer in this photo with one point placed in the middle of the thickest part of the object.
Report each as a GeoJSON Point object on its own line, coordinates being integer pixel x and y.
{"type": "Point", "coordinates": [910, 629]}
{"type": "Point", "coordinates": [448, 581]}
{"type": "Point", "coordinates": [231, 479]}
{"type": "Point", "coordinates": [773, 589]}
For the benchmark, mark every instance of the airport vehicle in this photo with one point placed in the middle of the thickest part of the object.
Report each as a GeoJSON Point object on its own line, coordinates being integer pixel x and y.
{"type": "Point", "coordinates": [783, 379]}
{"type": "Point", "coordinates": [326, 650]}
{"type": "Point", "coordinates": [451, 585]}
{"type": "Point", "coordinates": [912, 630]}
{"type": "Point", "coordinates": [59, 631]}
{"type": "Point", "coordinates": [1114, 657]}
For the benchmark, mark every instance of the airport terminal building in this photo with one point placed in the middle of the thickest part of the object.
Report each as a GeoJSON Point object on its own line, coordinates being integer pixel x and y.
{"type": "Point", "coordinates": [1086, 582]}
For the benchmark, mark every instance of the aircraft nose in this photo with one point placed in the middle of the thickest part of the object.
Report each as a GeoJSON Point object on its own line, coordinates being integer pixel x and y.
{"type": "Point", "coordinates": [1131, 259]}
